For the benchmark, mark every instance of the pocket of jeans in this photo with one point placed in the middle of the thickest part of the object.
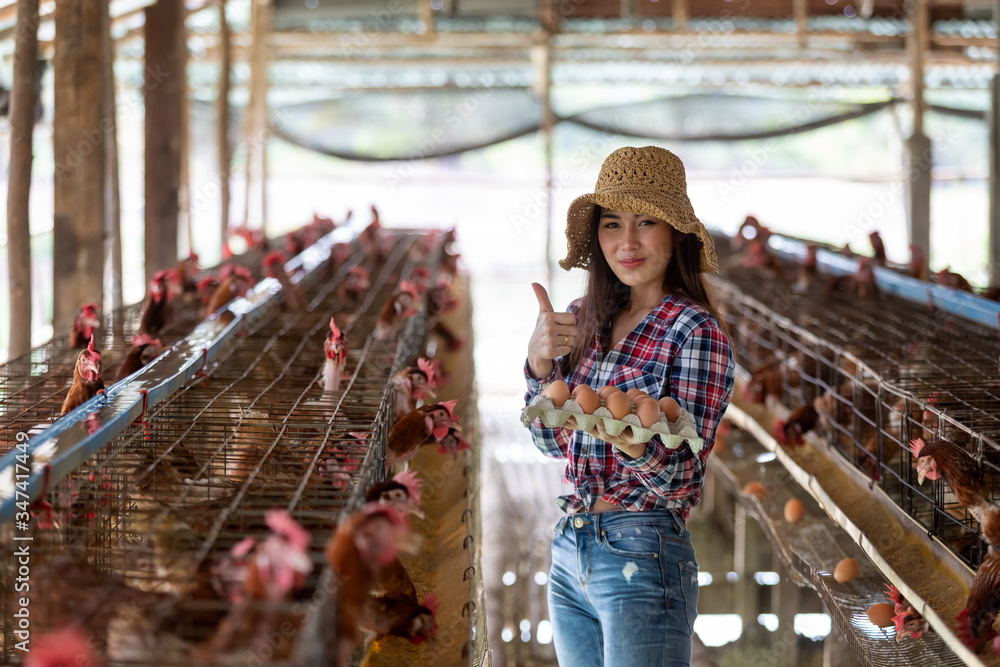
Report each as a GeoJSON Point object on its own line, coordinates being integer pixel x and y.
{"type": "Point", "coordinates": [635, 541]}
{"type": "Point", "coordinates": [689, 589]}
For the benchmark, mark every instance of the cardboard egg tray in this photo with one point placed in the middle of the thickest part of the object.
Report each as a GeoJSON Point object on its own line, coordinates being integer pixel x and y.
{"type": "Point", "coordinates": [572, 416]}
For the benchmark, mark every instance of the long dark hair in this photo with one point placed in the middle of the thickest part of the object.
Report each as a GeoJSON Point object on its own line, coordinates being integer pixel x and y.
{"type": "Point", "coordinates": [606, 294]}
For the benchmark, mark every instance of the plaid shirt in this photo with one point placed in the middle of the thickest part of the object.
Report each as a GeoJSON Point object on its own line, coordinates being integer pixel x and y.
{"type": "Point", "coordinates": [678, 350]}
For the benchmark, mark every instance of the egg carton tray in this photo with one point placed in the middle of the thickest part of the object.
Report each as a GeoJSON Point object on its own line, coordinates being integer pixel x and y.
{"type": "Point", "coordinates": [672, 434]}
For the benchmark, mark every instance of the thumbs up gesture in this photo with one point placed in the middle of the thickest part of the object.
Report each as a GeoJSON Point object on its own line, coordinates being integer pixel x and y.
{"type": "Point", "coordinates": [554, 335]}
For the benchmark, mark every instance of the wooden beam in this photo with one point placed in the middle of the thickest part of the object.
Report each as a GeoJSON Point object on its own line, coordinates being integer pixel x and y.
{"type": "Point", "coordinates": [919, 150]}
{"type": "Point", "coordinates": [994, 157]}
{"type": "Point", "coordinates": [225, 154]}
{"type": "Point", "coordinates": [681, 13]}
{"type": "Point", "coordinates": [78, 135]}
{"type": "Point", "coordinates": [164, 100]}
{"type": "Point", "coordinates": [800, 9]}
{"type": "Point", "coordinates": [22, 124]}
{"type": "Point", "coordinates": [258, 132]}
{"type": "Point", "coordinates": [112, 198]}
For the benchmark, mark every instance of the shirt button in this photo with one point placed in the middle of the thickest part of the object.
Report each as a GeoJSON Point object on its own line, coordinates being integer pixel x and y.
{"type": "Point", "coordinates": [578, 522]}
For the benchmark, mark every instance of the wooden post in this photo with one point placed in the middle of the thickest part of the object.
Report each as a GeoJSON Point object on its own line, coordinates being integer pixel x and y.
{"type": "Point", "coordinates": [164, 99]}
{"type": "Point", "coordinates": [22, 125]}
{"type": "Point", "coordinates": [800, 8]}
{"type": "Point", "coordinates": [994, 265]}
{"type": "Point", "coordinates": [79, 133]}
{"type": "Point", "coordinates": [542, 60]}
{"type": "Point", "coordinates": [680, 11]}
{"type": "Point", "coordinates": [918, 147]}
{"type": "Point", "coordinates": [222, 106]}
{"type": "Point", "coordinates": [112, 198]}
{"type": "Point", "coordinates": [258, 130]}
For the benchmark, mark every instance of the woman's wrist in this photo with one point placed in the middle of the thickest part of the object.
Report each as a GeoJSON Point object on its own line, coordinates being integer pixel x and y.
{"type": "Point", "coordinates": [635, 451]}
{"type": "Point", "coordinates": [540, 368]}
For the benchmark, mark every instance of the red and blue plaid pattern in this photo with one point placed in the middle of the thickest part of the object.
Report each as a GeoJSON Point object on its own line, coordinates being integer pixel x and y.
{"type": "Point", "coordinates": [678, 350]}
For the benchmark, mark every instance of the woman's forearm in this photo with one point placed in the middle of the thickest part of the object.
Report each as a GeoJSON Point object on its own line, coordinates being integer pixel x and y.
{"type": "Point", "coordinates": [539, 368]}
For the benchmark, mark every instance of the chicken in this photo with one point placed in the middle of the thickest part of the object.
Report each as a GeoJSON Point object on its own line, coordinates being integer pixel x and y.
{"type": "Point", "coordinates": [413, 384]}
{"type": "Point", "coordinates": [441, 300]}
{"type": "Point", "coordinates": [908, 621]}
{"type": "Point", "coordinates": [206, 288]}
{"type": "Point", "coordinates": [374, 242]}
{"type": "Point", "coordinates": [186, 271]}
{"type": "Point", "coordinates": [449, 264]}
{"type": "Point", "coordinates": [975, 622]}
{"type": "Point", "coordinates": [396, 311]}
{"type": "Point", "coordinates": [917, 268]}
{"type": "Point", "coordinates": [453, 442]}
{"type": "Point", "coordinates": [254, 437]}
{"type": "Point", "coordinates": [335, 347]}
{"type": "Point", "coordinates": [802, 419]}
{"type": "Point", "coordinates": [420, 276]}
{"type": "Point", "coordinates": [254, 238]}
{"type": "Point", "coordinates": [393, 581]}
{"type": "Point", "coordinates": [362, 545]}
{"type": "Point", "coordinates": [274, 266]}
{"type": "Point", "coordinates": [234, 283]}
{"type": "Point", "coordinates": [403, 490]}
{"type": "Point", "coordinates": [278, 566]}
{"type": "Point", "coordinates": [861, 284]}
{"type": "Point", "coordinates": [762, 260]}
{"type": "Point", "coordinates": [339, 254]}
{"type": "Point", "coordinates": [156, 312]}
{"type": "Point", "coordinates": [992, 293]}
{"type": "Point", "coordinates": [953, 280]}
{"type": "Point", "coordinates": [878, 247]}
{"type": "Point", "coordinates": [965, 477]}
{"type": "Point", "coordinates": [353, 289]}
{"type": "Point", "coordinates": [808, 273]}
{"type": "Point", "coordinates": [66, 591]}
{"type": "Point", "coordinates": [88, 379]}
{"type": "Point", "coordinates": [422, 426]}
{"type": "Point", "coordinates": [67, 647]}
{"type": "Point", "coordinates": [764, 382]}
{"type": "Point", "coordinates": [748, 230]}
{"type": "Point", "coordinates": [84, 326]}
{"type": "Point", "coordinates": [144, 350]}
{"type": "Point", "coordinates": [402, 617]}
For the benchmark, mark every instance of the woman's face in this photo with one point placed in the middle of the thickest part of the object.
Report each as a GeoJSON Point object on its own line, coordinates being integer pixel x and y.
{"type": "Point", "coordinates": [636, 247]}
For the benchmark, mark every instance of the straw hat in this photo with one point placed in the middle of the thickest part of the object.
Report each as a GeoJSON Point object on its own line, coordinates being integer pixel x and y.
{"type": "Point", "coordinates": [645, 181]}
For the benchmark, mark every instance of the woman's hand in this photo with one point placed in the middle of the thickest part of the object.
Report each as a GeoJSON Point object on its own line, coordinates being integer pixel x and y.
{"type": "Point", "coordinates": [554, 335]}
{"type": "Point", "coordinates": [627, 445]}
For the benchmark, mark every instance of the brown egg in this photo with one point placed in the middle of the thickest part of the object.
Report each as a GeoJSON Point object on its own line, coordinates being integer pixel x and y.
{"type": "Point", "coordinates": [670, 408]}
{"type": "Point", "coordinates": [648, 412]}
{"type": "Point", "coordinates": [794, 511]}
{"type": "Point", "coordinates": [881, 614]}
{"type": "Point", "coordinates": [846, 570]}
{"type": "Point", "coordinates": [558, 391]}
{"type": "Point", "coordinates": [634, 394]}
{"type": "Point", "coordinates": [586, 398]}
{"type": "Point", "coordinates": [604, 392]}
{"type": "Point", "coordinates": [618, 404]}
{"type": "Point", "coordinates": [755, 489]}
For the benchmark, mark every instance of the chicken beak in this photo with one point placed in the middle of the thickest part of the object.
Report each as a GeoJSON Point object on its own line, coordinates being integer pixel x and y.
{"type": "Point", "coordinates": [416, 511]}
{"type": "Point", "coordinates": [921, 474]}
{"type": "Point", "coordinates": [429, 392]}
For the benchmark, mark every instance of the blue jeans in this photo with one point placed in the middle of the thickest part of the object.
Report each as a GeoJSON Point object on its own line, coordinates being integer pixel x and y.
{"type": "Point", "coordinates": [623, 590]}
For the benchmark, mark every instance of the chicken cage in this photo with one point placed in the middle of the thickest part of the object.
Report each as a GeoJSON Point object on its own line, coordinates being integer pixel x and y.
{"type": "Point", "coordinates": [33, 384]}
{"type": "Point", "coordinates": [880, 372]}
{"type": "Point", "coordinates": [133, 547]}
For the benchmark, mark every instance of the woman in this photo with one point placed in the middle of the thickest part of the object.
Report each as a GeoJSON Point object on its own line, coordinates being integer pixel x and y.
{"type": "Point", "coordinates": [623, 588]}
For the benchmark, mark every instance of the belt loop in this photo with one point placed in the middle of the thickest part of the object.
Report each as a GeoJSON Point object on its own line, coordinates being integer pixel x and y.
{"type": "Point", "coordinates": [561, 526]}
{"type": "Point", "coordinates": [597, 527]}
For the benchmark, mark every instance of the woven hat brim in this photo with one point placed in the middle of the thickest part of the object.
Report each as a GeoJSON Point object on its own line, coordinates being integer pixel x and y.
{"type": "Point", "coordinates": [578, 221]}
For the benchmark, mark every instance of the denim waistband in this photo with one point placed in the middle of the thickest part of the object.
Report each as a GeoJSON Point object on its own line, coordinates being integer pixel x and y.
{"type": "Point", "coordinates": [605, 520]}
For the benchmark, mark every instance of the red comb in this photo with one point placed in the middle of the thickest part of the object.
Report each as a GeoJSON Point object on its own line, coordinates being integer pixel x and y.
{"type": "Point", "coordinates": [431, 603]}
{"type": "Point", "coordinates": [207, 282]}
{"type": "Point", "coordinates": [274, 258]}
{"type": "Point", "coordinates": [282, 523]}
{"type": "Point", "coordinates": [778, 431]}
{"type": "Point", "coordinates": [410, 288]}
{"type": "Point", "coordinates": [894, 594]}
{"type": "Point", "coordinates": [430, 370]}
{"type": "Point", "coordinates": [411, 482]}
{"type": "Point", "coordinates": [917, 446]}
{"type": "Point", "coordinates": [145, 339]}
{"type": "Point", "coordinates": [450, 407]}
{"type": "Point", "coordinates": [90, 346]}
{"type": "Point", "coordinates": [335, 330]}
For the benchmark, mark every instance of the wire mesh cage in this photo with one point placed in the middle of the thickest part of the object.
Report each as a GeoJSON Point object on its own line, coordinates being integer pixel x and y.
{"type": "Point", "coordinates": [880, 372]}
{"type": "Point", "coordinates": [137, 549]}
{"type": "Point", "coordinates": [33, 385]}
